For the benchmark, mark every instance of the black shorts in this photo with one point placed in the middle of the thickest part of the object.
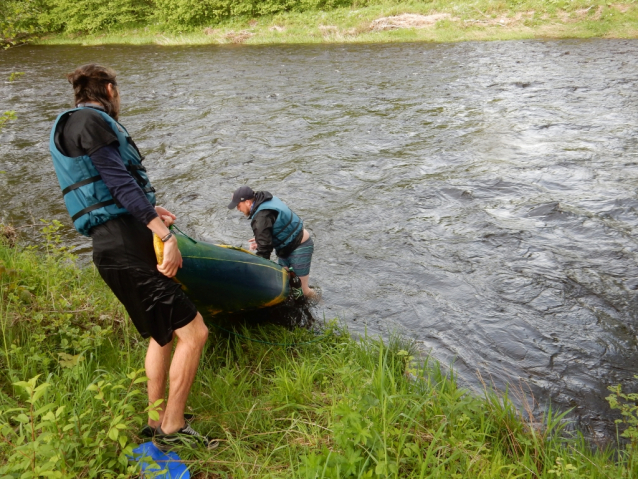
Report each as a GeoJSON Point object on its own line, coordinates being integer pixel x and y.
{"type": "Point", "coordinates": [124, 255]}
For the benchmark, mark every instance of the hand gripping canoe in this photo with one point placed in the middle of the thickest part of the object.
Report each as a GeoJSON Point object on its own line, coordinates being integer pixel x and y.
{"type": "Point", "coordinates": [226, 279]}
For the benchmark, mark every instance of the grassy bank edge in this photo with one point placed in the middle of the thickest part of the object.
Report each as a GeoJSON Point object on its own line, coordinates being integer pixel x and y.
{"type": "Point", "coordinates": [71, 397]}
{"type": "Point", "coordinates": [471, 22]}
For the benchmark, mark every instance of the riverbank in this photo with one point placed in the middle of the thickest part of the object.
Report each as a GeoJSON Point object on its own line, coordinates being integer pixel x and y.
{"type": "Point", "coordinates": [437, 21]}
{"type": "Point", "coordinates": [71, 396]}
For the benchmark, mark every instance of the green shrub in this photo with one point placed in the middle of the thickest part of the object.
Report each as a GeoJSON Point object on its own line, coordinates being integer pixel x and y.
{"type": "Point", "coordinates": [58, 323]}
{"type": "Point", "coordinates": [90, 16]}
{"type": "Point", "coordinates": [628, 405]}
{"type": "Point", "coordinates": [61, 436]}
{"type": "Point", "coordinates": [49, 308]}
{"type": "Point", "coordinates": [22, 17]}
{"type": "Point", "coordinates": [7, 116]}
{"type": "Point", "coordinates": [19, 19]}
{"type": "Point", "coordinates": [192, 13]}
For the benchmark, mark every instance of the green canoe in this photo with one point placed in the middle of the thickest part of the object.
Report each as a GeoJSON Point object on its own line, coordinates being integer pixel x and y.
{"type": "Point", "coordinates": [227, 279]}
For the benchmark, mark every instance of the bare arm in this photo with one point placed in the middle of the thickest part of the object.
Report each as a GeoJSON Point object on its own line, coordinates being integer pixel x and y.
{"type": "Point", "coordinates": [172, 257]}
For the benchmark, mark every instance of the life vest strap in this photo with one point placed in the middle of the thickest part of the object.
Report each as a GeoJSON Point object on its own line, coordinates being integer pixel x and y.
{"type": "Point", "coordinates": [292, 216]}
{"type": "Point", "coordinates": [88, 209]}
{"type": "Point", "coordinates": [130, 141]}
{"type": "Point", "coordinates": [134, 171]}
{"type": "Point", "coordinates": [283, 228]}
{"type": "Point", "coordinates": [77, 185]}
{"type": "Point", "coordinates": [93, 179]}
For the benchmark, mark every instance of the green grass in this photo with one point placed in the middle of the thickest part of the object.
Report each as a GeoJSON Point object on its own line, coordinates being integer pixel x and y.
{"type": "Point", "coordinates": [333, 408]}
{"type": "Point", "coordinates": [466, 20]}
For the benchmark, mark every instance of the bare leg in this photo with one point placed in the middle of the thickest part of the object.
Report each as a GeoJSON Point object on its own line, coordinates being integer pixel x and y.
{"type": "Point", "coordinates": [157, 360]}
{"type": "Point", "coordinates": [307, 292]}
{"type": "Point", "coordinates": [190, 343]}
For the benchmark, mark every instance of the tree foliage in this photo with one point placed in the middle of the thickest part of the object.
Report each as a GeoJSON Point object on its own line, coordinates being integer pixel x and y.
{"type": "Point", "coordinates": [20, 18]}
{"type": "Point", "coordinates": [91, 16]}
{"type": "Point", "coordinates": [191, 13]}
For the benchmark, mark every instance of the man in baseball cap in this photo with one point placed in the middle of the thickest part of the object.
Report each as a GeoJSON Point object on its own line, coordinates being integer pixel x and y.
{"type": "Point", "coordinates": [277, 227]}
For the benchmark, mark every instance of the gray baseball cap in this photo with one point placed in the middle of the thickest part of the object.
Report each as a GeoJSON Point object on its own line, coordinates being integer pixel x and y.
{"type": "Point", "coordinates": [242, 193]}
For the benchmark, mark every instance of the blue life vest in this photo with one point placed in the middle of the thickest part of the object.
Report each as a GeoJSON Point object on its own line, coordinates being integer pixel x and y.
{"type": "Point", "coordinates": [287, 225]}
{"type": "Point", "coordinates": [86, 196]}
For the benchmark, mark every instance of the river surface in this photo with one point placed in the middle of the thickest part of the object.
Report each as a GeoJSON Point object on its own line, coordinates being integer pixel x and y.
{"type": "Point", "coordinates": [481, 198]}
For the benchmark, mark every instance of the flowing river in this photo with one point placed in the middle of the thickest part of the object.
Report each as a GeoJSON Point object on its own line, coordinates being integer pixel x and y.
{"type": "Point", "coordinates": [480, 198]}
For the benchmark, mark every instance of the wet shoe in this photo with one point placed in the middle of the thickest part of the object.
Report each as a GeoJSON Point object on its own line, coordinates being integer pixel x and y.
{"type": "Point", "coordinates": [185, 437]}
{"type": "Point", "coordinates": [148, 432]}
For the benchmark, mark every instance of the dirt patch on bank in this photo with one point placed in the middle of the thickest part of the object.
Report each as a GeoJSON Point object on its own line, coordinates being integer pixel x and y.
{"type": "Point", "coordinates": [228, 37]}
{"type": "Point", "coordinates": [622, 8]}
{"type": "Point", "coordinates": [409, 20]}
{"type": "Point", "coordinates": [503, 20]}
{"type": "Point", "coordinates": [333, 33]}
{"type": "Point", "coordinates": [238, 37]}
{"type": "Point", "coordinates": [580, 14]}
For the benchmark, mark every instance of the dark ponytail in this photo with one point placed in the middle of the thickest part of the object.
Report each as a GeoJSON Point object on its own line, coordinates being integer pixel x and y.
{"type": "Point", "coordinates": [90, 84]}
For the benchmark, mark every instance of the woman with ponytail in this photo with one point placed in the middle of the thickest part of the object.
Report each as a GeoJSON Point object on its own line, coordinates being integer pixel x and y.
{"type": "Point", "coordinates": [110, 198]}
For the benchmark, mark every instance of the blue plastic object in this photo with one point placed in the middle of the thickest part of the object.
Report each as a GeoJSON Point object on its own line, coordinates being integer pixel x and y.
{"type": "Point", "coordinates": [169, 462]}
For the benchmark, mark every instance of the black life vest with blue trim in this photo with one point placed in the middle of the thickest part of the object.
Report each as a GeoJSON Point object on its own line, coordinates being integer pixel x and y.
{"type": "Point", "coordinates": [86, 196]}
{"type": "Point", "coordinates": [287, 225]}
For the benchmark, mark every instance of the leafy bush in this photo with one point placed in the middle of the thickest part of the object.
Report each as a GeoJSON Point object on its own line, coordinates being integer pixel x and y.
{"type": "Point", "coordinates": [19, 19]}
{"type": "Point", "coordinates": [49, 308]}
{"type": "Point", "coordinates": [189, 13]}
{"type": "Point", "coordinates": [53, 436]}
{"type": "Point", "coordinates": [7, 116]}
{"type": "Point", "coordinates": [91, 16]}
{"type": "Point", "coordinates": [628, 405]}
{"type": "Point", "coordinates": [57, 323]}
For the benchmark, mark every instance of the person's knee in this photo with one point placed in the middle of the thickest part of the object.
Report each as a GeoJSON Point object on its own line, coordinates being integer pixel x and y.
{"type": "Point", "coordinates": [201, 333]}
{"type": "Point", "coordinates": [194, 333]}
